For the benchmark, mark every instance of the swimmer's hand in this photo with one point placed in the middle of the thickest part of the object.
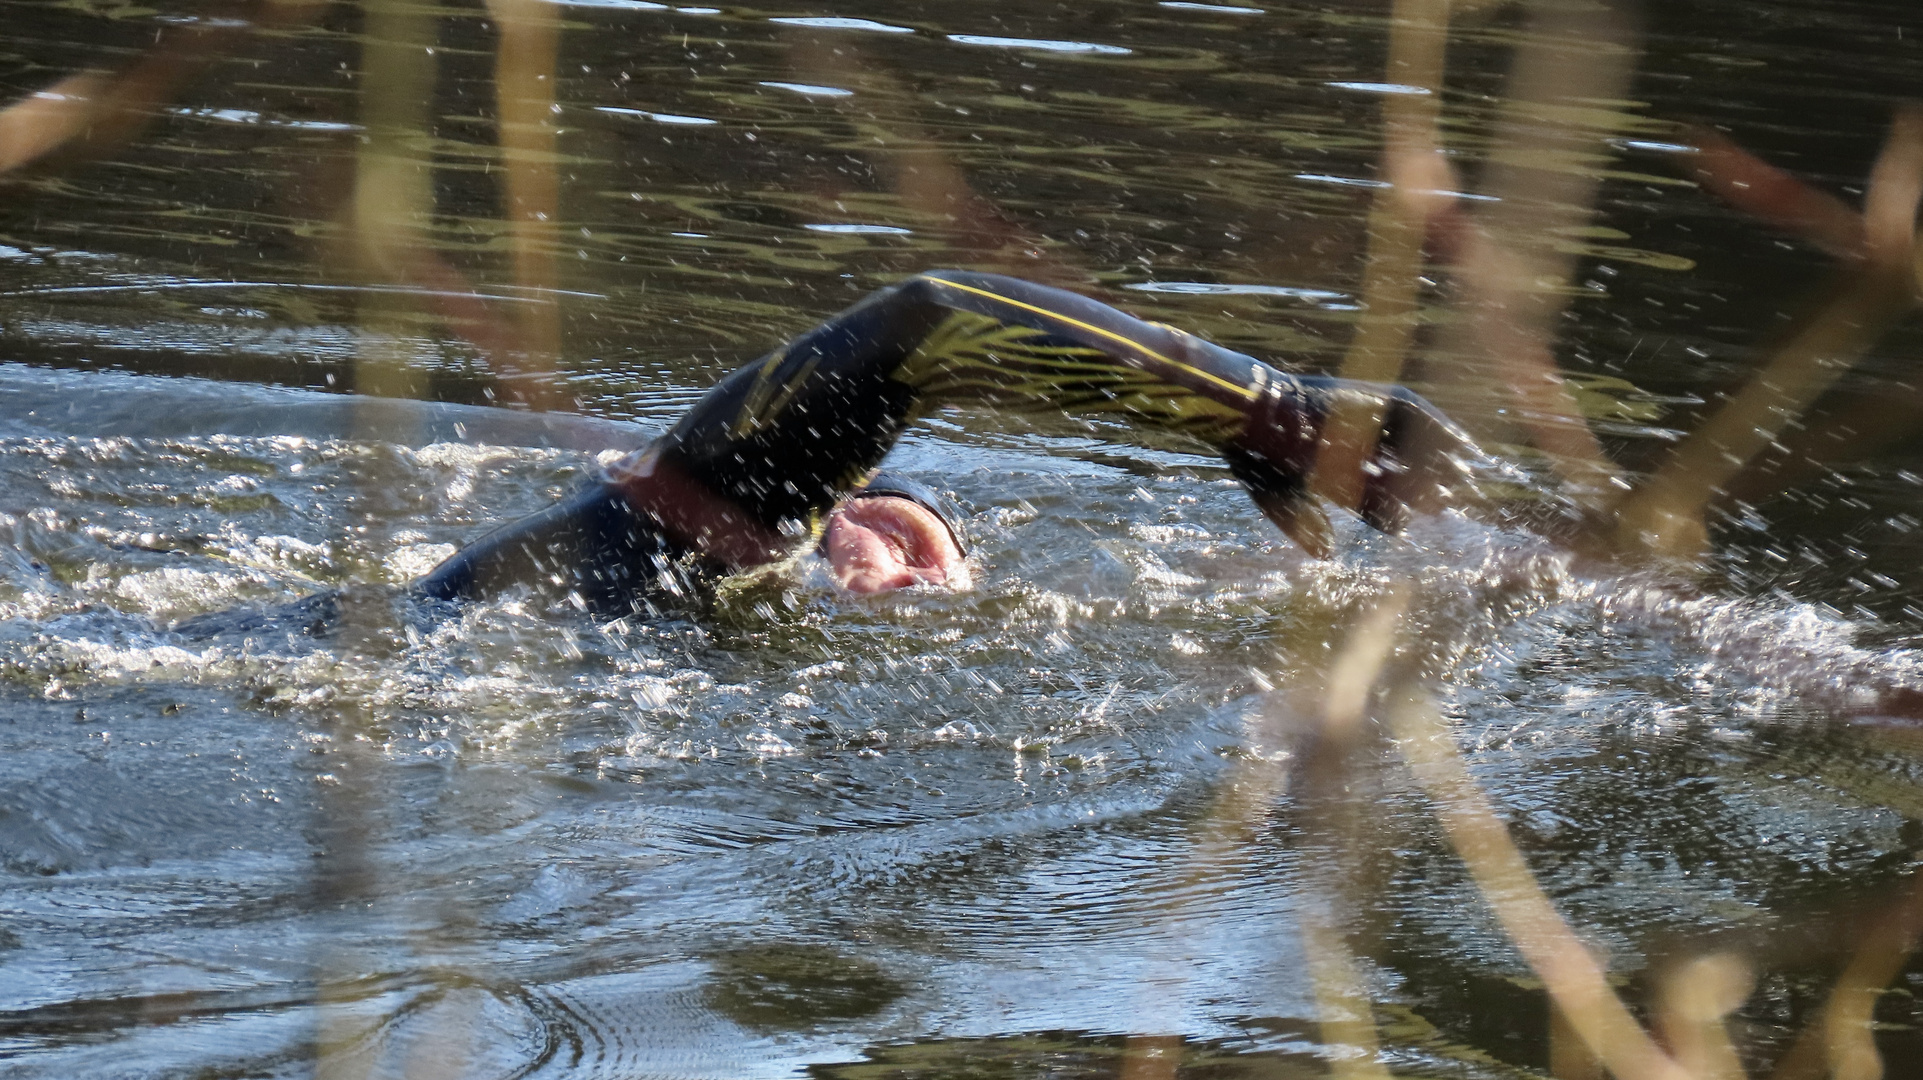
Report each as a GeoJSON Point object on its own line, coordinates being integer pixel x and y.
{"type": "Point", "coordinates": [884, 543]}
{"type": "Point", "coordinates": [1418, 461]}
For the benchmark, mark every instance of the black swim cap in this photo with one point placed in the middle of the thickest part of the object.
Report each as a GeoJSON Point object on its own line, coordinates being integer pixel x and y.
{"type": "Point", "coordinates": [895, 485]}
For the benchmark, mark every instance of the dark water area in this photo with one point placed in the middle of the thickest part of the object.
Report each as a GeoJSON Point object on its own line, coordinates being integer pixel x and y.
{"type": "Point", "coordinates": [1075, 821]}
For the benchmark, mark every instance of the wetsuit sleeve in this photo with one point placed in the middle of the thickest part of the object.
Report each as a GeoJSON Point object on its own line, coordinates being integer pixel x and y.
{"type": "Point", "coordinates": [592, 548]}
{"type": "Point", "coordinates": [782, 439]}
{"type": "Point", "coordinates": [592, 545]}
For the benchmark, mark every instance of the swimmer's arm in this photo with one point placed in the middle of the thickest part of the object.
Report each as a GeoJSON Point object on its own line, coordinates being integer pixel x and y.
{"type": "Point", "coordinates": [779, 441]}
{"type": "Point", "coordinates": [592, 545]}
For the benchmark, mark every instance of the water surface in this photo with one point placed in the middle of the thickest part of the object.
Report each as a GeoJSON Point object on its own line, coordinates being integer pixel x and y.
{"type": "Point", "coordinates": [1056, 825]}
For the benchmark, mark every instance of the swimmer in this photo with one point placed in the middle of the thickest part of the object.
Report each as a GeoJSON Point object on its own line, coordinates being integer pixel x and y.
{"type": "Point", "coordinates": [782, 453]}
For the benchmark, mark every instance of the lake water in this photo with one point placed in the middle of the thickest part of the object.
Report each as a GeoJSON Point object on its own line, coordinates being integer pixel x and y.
{"type": "Point", "coordinates": [1076, 821]}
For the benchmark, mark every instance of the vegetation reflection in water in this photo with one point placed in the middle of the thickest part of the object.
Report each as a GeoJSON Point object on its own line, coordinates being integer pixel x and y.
{"type": "Point", "coordinates": [1161, 794]}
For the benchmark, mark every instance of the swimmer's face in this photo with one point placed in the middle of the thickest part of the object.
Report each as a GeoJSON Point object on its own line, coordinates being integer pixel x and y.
{"type": "Point", "coordinates": [883, 543]}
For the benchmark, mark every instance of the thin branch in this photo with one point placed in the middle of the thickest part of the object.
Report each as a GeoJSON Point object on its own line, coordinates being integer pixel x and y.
{"type": "Point", "coordinates": [93, 113]}
{"type": "Point", "coordinates": [1570, 973]}
{"type": "Point", "coordinates": [1690, 1014]}
{"type": "Point", "coordinates": [1773, 196]}
{"type": "Point", "coordinates": [1399, 221]}
{"type": "Point", "coordinates": [525, 56]}
{"type": "Point", "coordinates": [1664, 514]}
{"type": "Point", "coordinates": [1839, 1044]}
{"type": "Point", "coordinates": [1514, 283]}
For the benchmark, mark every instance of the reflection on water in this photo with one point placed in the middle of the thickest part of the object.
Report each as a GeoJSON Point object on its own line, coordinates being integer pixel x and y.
{"type": "Point", "coordinates": [1083, 820]}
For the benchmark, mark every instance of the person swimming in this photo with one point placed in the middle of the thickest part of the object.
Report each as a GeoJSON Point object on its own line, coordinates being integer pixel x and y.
{"type": "Point", "coordinates": [782, 453]}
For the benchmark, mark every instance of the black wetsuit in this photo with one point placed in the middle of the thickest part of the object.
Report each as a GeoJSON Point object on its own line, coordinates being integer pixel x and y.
{"type": "Point", "coordinates": [592, 544]}
{"type": "Point", "coordinates": [758, 461]}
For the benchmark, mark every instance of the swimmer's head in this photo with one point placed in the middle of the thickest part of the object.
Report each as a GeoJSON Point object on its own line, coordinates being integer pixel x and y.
{"type": "Point", "coordinates": [891, 534]}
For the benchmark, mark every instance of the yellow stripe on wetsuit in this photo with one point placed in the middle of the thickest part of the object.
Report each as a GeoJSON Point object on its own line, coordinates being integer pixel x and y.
{"type": "Point", "coordinates": [1244, 392]}
{"type": "Point", "coordinates": [971, 356]}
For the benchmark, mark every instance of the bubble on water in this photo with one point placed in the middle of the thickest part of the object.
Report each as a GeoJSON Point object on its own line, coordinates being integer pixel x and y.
{"type": "Point", "coordinates": [652, 693]}
{"type": "Point", "coordinates": [956, 731]}
{"type": "Point", "coordinates": [763, 743]}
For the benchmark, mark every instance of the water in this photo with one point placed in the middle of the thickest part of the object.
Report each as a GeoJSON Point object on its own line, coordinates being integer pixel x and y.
{"type": "Point", "coordinates": [1071, 822]}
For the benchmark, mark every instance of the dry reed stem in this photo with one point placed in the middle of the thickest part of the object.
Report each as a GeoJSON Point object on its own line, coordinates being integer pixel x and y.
{"type": "Point", "coordinates": [1342, 1001]}
{"type": "Point", "coordinates": [90, 114]}
{"type": "Point", "coordinates": [392, 196]}
{"type": "Point", "coordinates": [1569, 1057]}
{"type": "Point", "coordinates": [391, 208]}
{"type": "Point", "coordinates": [1664, 515]}
{"type": "Point", "coordinates": [1357, 668]}
{"type": "Point", "coordinates": [1243, 801]}
{"type": "Point", "coordinates": [1399, 219]}
{"type": "Point", "coordinates": [36, 126]}
{"type": "Point", "coordinates": [527, 51]}
{"type": "Point", "coordinates": [1786, 203]}
{"type": "Point", "coordinates": [1347, 1013]}
{"type": "Point", "coordinates": [1690, 1013]}
{"type": "Point", "coordinates": [923, 176]}
{"type": "Point", "coordinates": [1772, 196]}
{"type": "Point", "coordinates": [1848, 1016]}
{"type": "Point", "coordinates": [1512, 285]}
{"type": "Point", "coordinates": [93, 113]}
{"type": "Point", "coordinates": [1574, 980]}
{"type": "Point", "coordinates": [393, 183]}
{"type": "Point", "coordinates": [1839, 1043]}
{"type": "Point", "coordinates": [346, 879]}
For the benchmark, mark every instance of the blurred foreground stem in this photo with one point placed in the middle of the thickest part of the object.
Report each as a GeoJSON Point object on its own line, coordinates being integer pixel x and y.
{"type": "Point", "coordinates": [1576, 983]}
{"type": "Point", "coordinates": [393, 183]}
{"type": "Point", "coordinates": [1417, 176]}
{"type": "Point", "coordinates": [1548, 153]}
{"type": "Point", "coordinates": [1665, 514]}
{"type": "Point", "coordinates": [526, 52]}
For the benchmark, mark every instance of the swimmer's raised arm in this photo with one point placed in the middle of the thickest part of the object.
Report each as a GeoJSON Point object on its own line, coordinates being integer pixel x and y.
{"type": "Point", "coordinates": [778, 442]}
{"type": "Point", "coordinates": [759, 461]}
